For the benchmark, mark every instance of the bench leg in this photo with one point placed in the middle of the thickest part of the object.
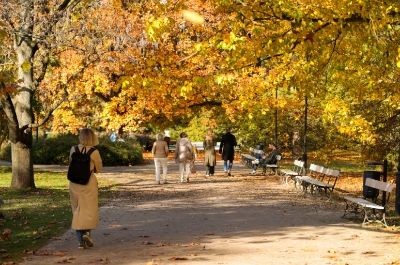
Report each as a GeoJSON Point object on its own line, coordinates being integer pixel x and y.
{"type": "Point", "coordinates": [297, 183]}
{"type": "Point", "coordinates": [285, 179]}
{"type": "Point", "coordinates": [345, 209]}
{"type": "Point", "coordinates": [367, 220]}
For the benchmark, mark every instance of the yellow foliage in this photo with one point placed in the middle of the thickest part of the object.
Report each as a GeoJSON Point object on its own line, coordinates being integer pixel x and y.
{"type": "Point", "coordinates": [26, 66]}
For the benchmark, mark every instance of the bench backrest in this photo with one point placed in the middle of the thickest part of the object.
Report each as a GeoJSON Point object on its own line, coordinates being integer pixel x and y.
{"type": "Point", "coordinates": [317, 172]}
{"type": "Point", "coordinates": [298, 166]}
{"type": "Point", "coordinates": [315, 168]}
{"type": "Point", "coordinates": [332, 176]}
{"type": "Point", "coordinates": [380, 185]}
{"type": "Point", "coordinates": [332, 172]}
{"type": "Point", "coordinates": [385, 187]}
{"type": "Point", "coordinates": [298, 163]}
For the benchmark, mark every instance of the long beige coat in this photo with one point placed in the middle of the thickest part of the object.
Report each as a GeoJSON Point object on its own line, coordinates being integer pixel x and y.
{"type": "Point", "coordinates": [84, 198]}
{"type": "Point", "coordinates": [209, 152]}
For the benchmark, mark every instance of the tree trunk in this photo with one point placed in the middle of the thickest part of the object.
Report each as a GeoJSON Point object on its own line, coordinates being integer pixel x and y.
{"type": "Point", "coordinates": [22, 166]}
{"type": "Point", "coordinates": [21, 133]}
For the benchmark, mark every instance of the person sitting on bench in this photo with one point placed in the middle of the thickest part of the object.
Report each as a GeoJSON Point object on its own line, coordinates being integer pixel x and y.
{"type": "Point", "coordinates": [270, 160]}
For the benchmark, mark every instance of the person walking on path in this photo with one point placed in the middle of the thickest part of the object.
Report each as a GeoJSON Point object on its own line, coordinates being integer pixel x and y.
{"type": "Point", "coordinates": [160, 154]}
{"type": "Point", "coordinates": [84, 198]}
{"type": "Point", "coordinates": [209, 153]}
{"type": "Point", "coordinates": [183, 156]}
{"type": "Point", "coordinates": [227, 150]}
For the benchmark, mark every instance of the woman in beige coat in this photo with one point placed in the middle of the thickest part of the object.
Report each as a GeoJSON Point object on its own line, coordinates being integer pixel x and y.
{"type": "Point", "coordinates": [209, 153]}
{"type": "Point", "coordinates": [84, 198]}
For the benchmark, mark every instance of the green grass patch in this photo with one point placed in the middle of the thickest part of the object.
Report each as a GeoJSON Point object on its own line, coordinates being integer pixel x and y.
{"type": "Point", "coordinates": [34, 216]}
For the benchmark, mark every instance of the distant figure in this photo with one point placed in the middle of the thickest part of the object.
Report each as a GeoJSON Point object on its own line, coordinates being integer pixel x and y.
{"type": "Point", "coordinates": [227, 150]}
{"type": "Point", "coordinates": [167, 137]}
{"type": "Point", "coordinates": [113, 137]}
{"type": "Point", "coordinates": [160, 154]}
{"type": "Point", "coordinates": [84, 198]}
{"type": "Point", "coordinates": [209, 153]}
{"type": "Point", "coordinates": [271, 159]}
{"type": "Point", "coordinates": [184, 155]}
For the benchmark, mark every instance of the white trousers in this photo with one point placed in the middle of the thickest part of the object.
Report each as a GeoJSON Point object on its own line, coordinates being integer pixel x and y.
{"type": "Point", "coordinates": [161, 163]}
{"type": "Point", "coordinates": [184, 170]}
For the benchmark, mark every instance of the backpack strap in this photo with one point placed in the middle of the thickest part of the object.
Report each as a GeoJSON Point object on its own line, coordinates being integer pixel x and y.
{"type": "Point", "coordinates": [91, 150]}
{"type": "Point", "coordinates": [77, 149]}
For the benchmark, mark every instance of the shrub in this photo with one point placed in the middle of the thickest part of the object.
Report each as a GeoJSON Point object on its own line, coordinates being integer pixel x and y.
{"type": "Point", "coordinates": [120, 153]}
{"type": "Point", "coordinates": [55, 150]}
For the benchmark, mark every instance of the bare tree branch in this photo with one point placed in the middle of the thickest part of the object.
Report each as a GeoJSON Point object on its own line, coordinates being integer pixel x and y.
{"type": "Point", "coordinates": [8, 106]}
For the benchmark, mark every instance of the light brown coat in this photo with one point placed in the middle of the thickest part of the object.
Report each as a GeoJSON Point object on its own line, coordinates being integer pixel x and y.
{"type": "Point", "coordinates": [84, 198]}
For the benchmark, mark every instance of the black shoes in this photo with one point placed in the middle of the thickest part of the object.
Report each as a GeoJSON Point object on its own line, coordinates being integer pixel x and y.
{"type": "Point", "coordinates": [87, 241]}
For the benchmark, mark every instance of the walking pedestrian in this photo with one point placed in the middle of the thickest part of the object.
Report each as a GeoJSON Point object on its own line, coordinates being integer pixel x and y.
{"type": "Point", "coordinates": [209, 153]}
{"type": "Point", "coordinates": [227, 150]}
{"type": "Point", "coordinates": [184, 156]}
{"type": "Point", "coordinates": [160, 154]}
{"type": "Point", "coordinates": [84, 198]}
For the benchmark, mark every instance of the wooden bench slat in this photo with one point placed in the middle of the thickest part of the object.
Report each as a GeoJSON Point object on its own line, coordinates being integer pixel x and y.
{"type": "Point", "coordinates": [384, 186]}
{"type": "Point", "coordinates": [364, 203]}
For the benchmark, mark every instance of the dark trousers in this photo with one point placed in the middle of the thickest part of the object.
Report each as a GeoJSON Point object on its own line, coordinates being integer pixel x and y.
{"type": "Point", "coordinates": [210, 170]}
{"type": "Point", "coordinates": [80, 233]}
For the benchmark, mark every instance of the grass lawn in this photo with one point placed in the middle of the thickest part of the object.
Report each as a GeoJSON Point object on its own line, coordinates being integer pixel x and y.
{"type": "Point", "coordinates": [32, 217]}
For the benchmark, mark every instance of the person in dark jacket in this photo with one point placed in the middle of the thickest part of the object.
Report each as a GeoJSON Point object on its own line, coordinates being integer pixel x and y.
{"type": "Point", "coordinates": [227, 150]}
{"type": "Point", "coordinates": [271, 159]}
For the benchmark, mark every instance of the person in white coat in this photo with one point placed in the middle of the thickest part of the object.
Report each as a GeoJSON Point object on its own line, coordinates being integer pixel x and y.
{"type": "Point", "coordinates": [184, 155]}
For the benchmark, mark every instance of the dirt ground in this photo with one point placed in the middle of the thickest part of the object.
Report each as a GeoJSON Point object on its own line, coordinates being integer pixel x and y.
{"type": "Point", "coordinates": [242, 219]}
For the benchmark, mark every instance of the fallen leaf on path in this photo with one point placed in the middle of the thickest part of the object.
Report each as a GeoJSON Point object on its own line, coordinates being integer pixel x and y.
{"type": "Point", "coordinates": [101, 261]}
{"type": "Point", "coordinates": [29, 252]}
{"type": "Point", "coordinates": [49, 253]}
{"type": "Point", "coordinates": [66, 260]}
{"type": "Point", "coordinates": [177, 258]}
{"type": "Point", "coordinates": [58, 253]}
{"type": "Point", "coordinates": [369, 252]}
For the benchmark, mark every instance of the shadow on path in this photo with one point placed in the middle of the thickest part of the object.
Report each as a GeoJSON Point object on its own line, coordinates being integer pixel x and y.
{"type": "Point", "coordinates": [220, 220]}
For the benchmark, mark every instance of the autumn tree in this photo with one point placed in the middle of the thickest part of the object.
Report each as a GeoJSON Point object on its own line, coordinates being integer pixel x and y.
{"type": "Point", "coordinates": [33, 35]}
{"type": "Point", "coordinates": [242, 53]}
{"type": "Point", "coordinates": [340, 54]}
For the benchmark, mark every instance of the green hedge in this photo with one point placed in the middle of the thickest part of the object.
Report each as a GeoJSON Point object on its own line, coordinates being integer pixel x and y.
{"type": "Point", "coordinates": [55, 150]}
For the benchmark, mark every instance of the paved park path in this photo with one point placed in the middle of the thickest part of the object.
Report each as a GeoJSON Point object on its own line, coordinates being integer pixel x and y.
{"type": "Point", "coordinates": [241, 219]}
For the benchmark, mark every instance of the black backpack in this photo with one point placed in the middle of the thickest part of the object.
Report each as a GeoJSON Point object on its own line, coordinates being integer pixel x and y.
{"type": "Point", "coordinates": [79, 167]}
